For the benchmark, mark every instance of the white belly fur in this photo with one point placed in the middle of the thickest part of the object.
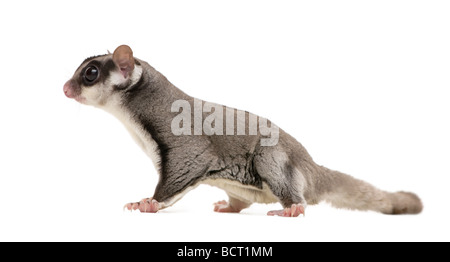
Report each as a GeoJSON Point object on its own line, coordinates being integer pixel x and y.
{"type": "Point", "coordinates": [248, 194]}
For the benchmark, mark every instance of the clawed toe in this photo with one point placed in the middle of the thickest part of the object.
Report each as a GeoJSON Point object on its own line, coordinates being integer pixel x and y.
{"type": "Point", "coordinates": [224, 206]}
{"type": "Point", "coordinates": [294, 211]}
{"type": "Point", "coordinates": [146, 205]}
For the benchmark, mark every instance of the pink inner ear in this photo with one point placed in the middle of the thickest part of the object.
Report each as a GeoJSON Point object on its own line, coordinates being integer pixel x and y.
{"type": "Point", "coordinates": [123, 58]}
{"type": "Point", "coordinates": [125, 68]}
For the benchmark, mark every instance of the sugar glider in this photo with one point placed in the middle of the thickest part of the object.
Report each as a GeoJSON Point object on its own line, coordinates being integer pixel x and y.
{"type": "Point", "coordinates": [231, 159]}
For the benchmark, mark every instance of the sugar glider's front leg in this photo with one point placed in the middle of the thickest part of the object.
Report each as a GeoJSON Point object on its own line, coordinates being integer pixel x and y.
{"type": "Point", "coordinates": [169, 190]}
{"type": "Point", "coordinates": [152, 205]}
{"type": "Point", "coordinates": [156, 203]}
{"type": "Point", "coordinates": [147, 205]}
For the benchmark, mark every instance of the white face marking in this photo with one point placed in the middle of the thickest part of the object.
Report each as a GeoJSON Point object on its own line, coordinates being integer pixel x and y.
{"type": "Point", "coordinates": [100, 93]}
{"type": "Point", "coordinates": [116, 78]}
{"type": "Point", "coordinates": [93, 95]}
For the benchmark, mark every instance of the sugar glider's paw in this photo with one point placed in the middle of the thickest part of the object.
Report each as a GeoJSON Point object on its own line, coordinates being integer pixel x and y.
{"type": "Point", "coordinates": [294, 211]}
{"type": "Point", "coordinates": [146, 205]}
{"type": "Point", "coordinates": [224, 207]}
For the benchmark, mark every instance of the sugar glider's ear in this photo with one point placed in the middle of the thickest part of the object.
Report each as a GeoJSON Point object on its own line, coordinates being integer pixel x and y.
{"type": "Point", "coordinates": [123, 58]}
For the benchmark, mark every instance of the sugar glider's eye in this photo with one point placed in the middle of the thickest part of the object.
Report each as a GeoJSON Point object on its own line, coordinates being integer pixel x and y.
{"type": "Point", "coordinates": [91, 74]}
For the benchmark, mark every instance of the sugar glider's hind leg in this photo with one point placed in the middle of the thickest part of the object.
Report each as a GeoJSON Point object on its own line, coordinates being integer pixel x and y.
{"type": "Point", "coordinates": [233, 205]}
{"type": "Point", "coordinates": [294, 211]}
{"type": "Point", "coordinates": [285, 181]}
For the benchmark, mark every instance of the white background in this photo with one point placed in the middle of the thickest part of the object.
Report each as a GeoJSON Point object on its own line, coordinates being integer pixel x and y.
{"type": "Point", "coordinates": [363, 85]}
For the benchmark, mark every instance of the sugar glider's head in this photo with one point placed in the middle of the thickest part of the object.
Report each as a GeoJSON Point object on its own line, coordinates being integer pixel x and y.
{"type": "Point", "coordinates": [100, 79]}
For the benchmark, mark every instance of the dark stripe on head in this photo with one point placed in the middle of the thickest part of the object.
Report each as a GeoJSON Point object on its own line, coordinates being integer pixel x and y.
{"type": "Point", "coordinates": [91, 58]}
{"type": "Point", "coordinates": [104, 67]}
{"type": "Point", "coordinates": [88, 60]}
{"type": "Point", "coordinates": [107, 68]}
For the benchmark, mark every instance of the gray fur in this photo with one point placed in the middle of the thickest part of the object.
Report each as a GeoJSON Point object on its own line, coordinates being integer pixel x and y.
{"type": "Point", "coordinates": [185, 161]}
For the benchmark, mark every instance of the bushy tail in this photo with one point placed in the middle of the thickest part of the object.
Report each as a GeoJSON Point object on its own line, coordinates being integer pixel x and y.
{"type": "Point", "coordinates": [348, 192]}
